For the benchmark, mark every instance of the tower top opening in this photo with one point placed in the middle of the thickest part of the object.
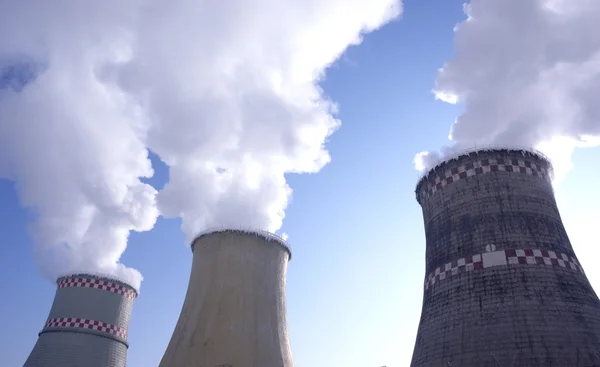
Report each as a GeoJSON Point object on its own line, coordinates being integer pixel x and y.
{"type": "Point", "coordinates": [268, 236]}
{"type": "Point", "coordinates": [428, 174]}
{"type": "Point", "coordinates": [97, 277]}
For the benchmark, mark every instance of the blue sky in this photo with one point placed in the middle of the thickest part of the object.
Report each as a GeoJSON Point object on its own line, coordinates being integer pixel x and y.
{"type": "Point", "coordinates": [355, 282]}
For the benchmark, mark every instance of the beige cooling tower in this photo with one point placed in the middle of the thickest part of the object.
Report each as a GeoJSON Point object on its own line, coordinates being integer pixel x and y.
{"type": "Point", "coordinates": [234, 312]}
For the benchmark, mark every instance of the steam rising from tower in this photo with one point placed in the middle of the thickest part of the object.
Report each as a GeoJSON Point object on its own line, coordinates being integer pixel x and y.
{"type": "Point", "coordinates": [234, 312]}
{"type": "Point", "coordinates": [503, 286]}
{"type": "Point", "coordinates": [225, 93]}
{"type": "Point", "coordinates": [527, 74]}
{"type": "Point", "coordinates": [87, 324]}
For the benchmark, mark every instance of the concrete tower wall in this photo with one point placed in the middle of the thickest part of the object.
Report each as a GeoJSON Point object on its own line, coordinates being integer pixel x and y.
{"type": "Point", "coordinates": [503, 286]}
{"type": "Point", "coordinates": [234, 313]}
{"type": "Point", "coordinates": [87, 324]}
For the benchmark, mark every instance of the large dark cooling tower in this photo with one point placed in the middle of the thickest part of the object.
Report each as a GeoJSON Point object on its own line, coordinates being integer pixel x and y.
{"type": "Point", "coordinates": [87, 325]}
{"type": "Point", "coordinates": [503, 286]}
{"type": "Point", "coordinates": [234, 313]}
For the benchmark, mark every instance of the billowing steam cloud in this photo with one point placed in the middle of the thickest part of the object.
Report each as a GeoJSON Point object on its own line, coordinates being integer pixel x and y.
{"type": "Point", "coordinates": [225, 93]}
{"type": "Point", "coordinates": [528, 74]}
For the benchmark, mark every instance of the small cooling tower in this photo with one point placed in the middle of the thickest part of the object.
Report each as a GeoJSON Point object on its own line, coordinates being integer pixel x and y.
{"type": "Point", "coordinates": [234, 312]}
{"type": "Point", "coordinates": [503, 286]}
{"type": "Point", "coordinates": [87, 325]}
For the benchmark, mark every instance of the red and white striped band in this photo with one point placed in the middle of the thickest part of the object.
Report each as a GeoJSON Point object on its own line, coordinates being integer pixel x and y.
{"type": "Point", "coordinates": [70, 322]}
{"type": "Point", "coordinates": [502, 258]}
{"type": "Point", "coordinates": [97, 284]}
{"type": "Point", "coordinates": [481, 167]}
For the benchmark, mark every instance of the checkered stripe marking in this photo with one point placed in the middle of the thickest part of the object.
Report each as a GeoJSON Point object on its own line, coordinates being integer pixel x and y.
{"type": "Point", "coordinates": [532, 257]}
{"type": "Point", "coordinates": [97, 284]}
{"type": "Point", "coordinates": [485, 166]}
{"type": "Point", "coordinates": [458, 266]}
{"type": "Point", "coordinates": [69, 322]}
{"type": "Point", "coordinates": [500, 258]}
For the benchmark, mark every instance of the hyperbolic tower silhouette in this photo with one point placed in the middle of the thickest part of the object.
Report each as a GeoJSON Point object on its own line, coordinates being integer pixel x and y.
{"type": "Point", "coordinates": [87, 325]}
{"type": "Point", "coordinates": [503, 286]}
{"type": "Point", "coordinates": [234, 313]}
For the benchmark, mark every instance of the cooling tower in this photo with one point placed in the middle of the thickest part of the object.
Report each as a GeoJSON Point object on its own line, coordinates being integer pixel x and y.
{"type": "Point", "coordinates": [87, 325]}
{"type": "Point", "coordinates": [503, 286]}
{"type": "Point", "coordinates": [234, 313]}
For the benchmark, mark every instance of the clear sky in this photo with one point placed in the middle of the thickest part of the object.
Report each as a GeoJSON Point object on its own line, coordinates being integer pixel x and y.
{"type": "Point", "coordinates": [355, 282]}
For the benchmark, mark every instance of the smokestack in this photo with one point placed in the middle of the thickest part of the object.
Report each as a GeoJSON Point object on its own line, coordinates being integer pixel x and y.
{"type": "Point", "coordinates": [503, 286]}
{"type": "Point", "coordinates": [234, 312]}
{"type": "Point", "coordinates": [87, 325]}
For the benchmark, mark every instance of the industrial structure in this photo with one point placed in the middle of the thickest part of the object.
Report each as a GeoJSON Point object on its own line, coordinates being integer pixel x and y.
{"type": "Point", "coordinates": [503, 286]}
{"type": "Point", "coordinates": [87, 325]}
{"type": "Point", "coordinates": [234, 313]}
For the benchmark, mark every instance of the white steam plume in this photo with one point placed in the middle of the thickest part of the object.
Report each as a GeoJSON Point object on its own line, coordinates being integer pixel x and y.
{"type": "Point", "coordinates": [233, 101]}
{"type": "Point", "coordinates": [73, 144]}
{"type": "Point", "coordinates": [528, 74]}
{"type": "Point", "coordinates": [226, 93]}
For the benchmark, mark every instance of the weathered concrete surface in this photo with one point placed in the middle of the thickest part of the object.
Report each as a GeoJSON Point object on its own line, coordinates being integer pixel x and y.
{"type": "Point", "coordinates": [234, 313]}
{"type": "Point", "coordinates": [536, 309]}
{"type": "Point", "coordinates": [87, 324]}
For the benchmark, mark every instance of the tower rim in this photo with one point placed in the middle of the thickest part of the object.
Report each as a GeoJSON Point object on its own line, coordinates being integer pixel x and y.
{"type": "Point", "coordinates": [99, 276]}
{"type": "Point", "coordinates": [424, 176]}
{"type": "Point", "coordinates": [266, 235]}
